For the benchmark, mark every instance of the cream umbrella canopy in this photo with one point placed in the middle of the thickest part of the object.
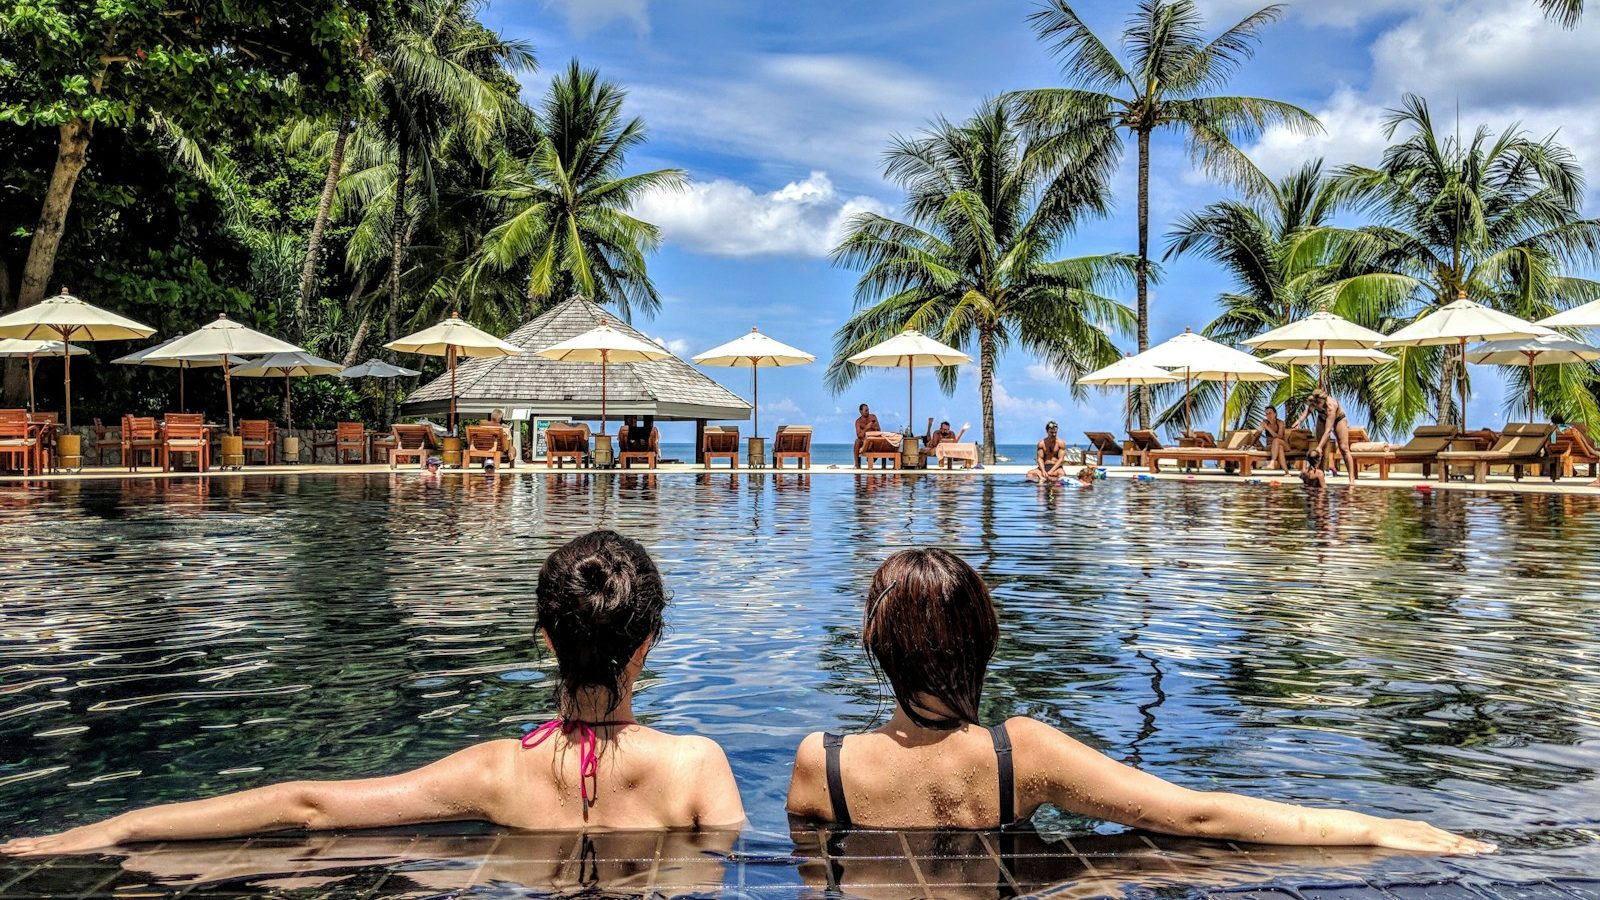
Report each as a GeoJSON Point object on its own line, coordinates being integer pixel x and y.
{"type": "Point", "coordinates": [604, 345]}
{"type": "Point", "coordinates": [223, 338]}
{"type": "Point", "coordinates": [1458, 324]}
{"type": "Point", "coordinates": [452, 338]}
{"type": "Point", "coordinates": [1321, 331]}
{"type": "Point", "coordinates": [17, 348]}
{"type": "Point", "coordinates": [911, 350]}
{"type": "Point", "coordinates": [142, 358]}
{"type": "Point", "coordinates": [1585, 316]}
{"type": "Point", "coordinates": [1544, 350]}
{"type": "Point", "coordinates": [288, 365]}
{"type": "Point", "coordinates": [65, 317]}
{"type": "Point", "coordinates": [1198, 358]}
{"type": "Point", "coordinates": [757, 351]}
{"type": "Point", "coordinates": [377, 368]}
{"type": "Point", "coordinates": [1128, 372]}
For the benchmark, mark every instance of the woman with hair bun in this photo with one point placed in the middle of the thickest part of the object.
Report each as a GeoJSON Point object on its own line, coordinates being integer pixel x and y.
{"type": "Point", "coordinates": [600, 602]}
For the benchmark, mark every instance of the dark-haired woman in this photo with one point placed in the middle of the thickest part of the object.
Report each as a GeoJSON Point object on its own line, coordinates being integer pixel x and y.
{"type": "Point", "coordinates": [931, 628]}
{"type": "Point", "coordinates": [600, 602]}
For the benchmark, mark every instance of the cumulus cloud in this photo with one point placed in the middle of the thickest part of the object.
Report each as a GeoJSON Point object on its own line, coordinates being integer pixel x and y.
{"type": "Point", "coordinates": [1009, 405]}
{"type": "Point", "coordinates": [783, 406]}
{"type": "Point", "coordinates": [675, 346]}
{"type": "Point", "coordinates": [1042, 373]}
{"type": "Point", "coordinates": [1340, 13]}
{"type": "Point", "coordinates": [726, 218]}
{"type": "Point", "coordinates": [587, 16]}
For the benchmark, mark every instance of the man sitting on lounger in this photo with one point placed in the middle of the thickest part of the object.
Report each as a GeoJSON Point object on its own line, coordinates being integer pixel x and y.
{"type": "Point", "coordinates": [1049, 457]}
{"type": "Point", "coordinates": [864, 423]}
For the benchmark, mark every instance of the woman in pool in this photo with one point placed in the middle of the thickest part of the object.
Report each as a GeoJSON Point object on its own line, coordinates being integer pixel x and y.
{"type": "Point", "coordinates": [931, 628]}
{"type": "Point", "coordinates": [599, 606]}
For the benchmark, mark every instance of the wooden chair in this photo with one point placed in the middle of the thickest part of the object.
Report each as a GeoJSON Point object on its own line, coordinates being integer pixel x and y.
{"type": "Point", "coordinates": [15, 442]}
{"type": "Point", "coordinates": [178, 438]}
{"type": "Point", "coordinates": [720, 442]}
{"type": "Point", "coordinates": [380, 443]}
{"type": "Point", "coordinates": [1103, 444]}
{"type": "Point", "coordinates": [564, 442]}
{"type": "Point", "coordinates": [412, 442]}
{"type": "Point", "coordinates": [255, 436]}
{"type": "Point", "coordinates": [485, 442]}
{"type": "Point", "coordinates": [102, 442]}
{"type": "Point", "coordinates": [348, 437]}
{"type": "Point", "coordinates": [139, 435]}
{"type": "Point", "coordinates": [1139, 443]}
{"type": "Point", "coordinates": [1199, 439]}
{"type": "Point", "coordinates": [638, 448]}
{"type": "Point", "coordinates": [46, 438]}
{"type": "Point", "coordinates": [1573, 448]}
{"type": "Point", "coordinates": [792, 442]}
{"type": "Point", "coordinates": [881, 446]}
{"type": "Point", "coordinates": [173, 418]}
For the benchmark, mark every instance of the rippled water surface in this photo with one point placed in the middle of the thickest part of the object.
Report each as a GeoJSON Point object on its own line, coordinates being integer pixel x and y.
{"type": "Point", "coordinates": [1429, 656]}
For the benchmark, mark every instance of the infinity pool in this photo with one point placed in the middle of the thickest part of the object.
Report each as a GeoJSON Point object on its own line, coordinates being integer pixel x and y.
{"type": "Point", "coordinates": [1430, 656]}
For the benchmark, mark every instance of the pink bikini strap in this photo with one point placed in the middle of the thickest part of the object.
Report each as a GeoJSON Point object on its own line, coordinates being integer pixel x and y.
{"type": "Point", "coordinates": [588, 747]}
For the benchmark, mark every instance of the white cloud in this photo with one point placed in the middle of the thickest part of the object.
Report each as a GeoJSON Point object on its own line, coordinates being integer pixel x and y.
{"type": "Point", "coordinates": [1221, 14]}
{"type": "Point", "coordinates": [675, 346]}
{"type": "Point", "coordinates": [1043, 373]}
{"type": "Point", "coordinates": [784, 406]}
{"type": "Point", "coordinates": [1012, 406]}
{"type": "Point", "coordinates": [726, 218]}
{"type": "Point", "coordinates": [587, 16]}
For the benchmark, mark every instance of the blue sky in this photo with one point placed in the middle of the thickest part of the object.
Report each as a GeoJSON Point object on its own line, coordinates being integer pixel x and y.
{"type": "Point", "coordinates": [779, 112]}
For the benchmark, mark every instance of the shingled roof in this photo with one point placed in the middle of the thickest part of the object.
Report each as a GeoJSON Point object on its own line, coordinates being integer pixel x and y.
{"type": "Point", "coordinates": [667, 389]}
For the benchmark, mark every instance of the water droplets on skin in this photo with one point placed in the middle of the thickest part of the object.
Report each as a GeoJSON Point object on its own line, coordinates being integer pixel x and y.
{"type": "Point", "coordinates": [1432, 657]}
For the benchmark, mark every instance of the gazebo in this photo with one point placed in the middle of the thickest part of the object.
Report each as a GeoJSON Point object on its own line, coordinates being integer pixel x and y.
{"type": "Point", "coordinates": [671, 389]}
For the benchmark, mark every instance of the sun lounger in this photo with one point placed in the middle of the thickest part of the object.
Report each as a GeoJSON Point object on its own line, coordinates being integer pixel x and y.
{"type": "Point", "coordinates": [178, 439]}
{"type": "Point", "coordinates": [1573, 448]}
{"type": "Point", "coordinates": [881, 445]}
{"type": "Point", "coordinates": [964, 452]}
{"type": "Point", "coordinates": [1423, 449]}
{"type": "Point", "coordinates": [1520, 445]}
{"type": "Point", "coordinates": [792, 442]}
{"type": "Point", "coordinates": [1241, 447]}
{"type": "Point", "coordinates": [1103, 444]}
{"type": "Point", "coordinates": [638, 447]}
{"type": "Point", "coordinates": [564, 442]}
{"type": "Point", "coordinates": [412, 442]}
{"type": "Point", "coordinates": [348, 438]}
{"type": "Point", "coordinates": [720, 442]}
{"type": "Point", "coordinates": [1138, 444]}
{"type": "Point", "coordinates": [1199, 439]}
{"type": "Point", "coordinates": [485, 442]}
{"type": "Point", "coordinates": [139, 435]}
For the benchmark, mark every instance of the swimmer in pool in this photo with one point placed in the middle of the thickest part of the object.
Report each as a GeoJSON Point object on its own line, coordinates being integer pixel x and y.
{"type": "Point", "coordinates": [599, 605]}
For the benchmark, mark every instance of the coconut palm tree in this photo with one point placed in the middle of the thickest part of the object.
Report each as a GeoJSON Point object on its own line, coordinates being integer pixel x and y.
{"type": "Point", "coordinates": [971, 265]}
{"type": "Point", "coordinates": [1167, 82]}
{"type": "Point", "coordinates": [1567, 12]}
{"type": "Point", "coordinates": [564, 207]}
{"type": "Point", "coordinates": [1495, 217]}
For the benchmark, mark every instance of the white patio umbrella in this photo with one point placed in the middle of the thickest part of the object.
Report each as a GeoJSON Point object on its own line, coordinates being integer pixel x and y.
{"type": "Point", "coordinates": [604, 345]}
{"type": "Point", "coordinates": [1127, 373]}
{"type": "Point", "coordinates": [298, 364]}
{"type": "Point", "coordinates": [1198, 358]}
{"type": "Point", "coordinates": [66, 318]}
{"type": "Point", "coordinates": [1458, 324]}
{"type": "Point", "coordinates": [911, 350]}
{"type": "Point", "coordinates": [377, 368]}
{"type": "Point", "coordinates": [142, 358]}
{"type": "Point", "coordinates": [18, 348]}
{"type": "Point", "coordinates": [1544, 350]}
{"type": "Point", "coordinates": [757, 351]}
{"type": "Point", "coordinates": [1585, 316]}
{"type": "Point", "coordinates": [1329, 358]}
{"type": "Point", "coordinates": [223, 338]}
{"type": "Point", "coordinates": [452, 338]}
{"type": "Point", "coordinates": [1321, 331]}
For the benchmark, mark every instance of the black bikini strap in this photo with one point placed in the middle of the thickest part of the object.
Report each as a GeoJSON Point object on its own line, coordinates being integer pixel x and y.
{"type": "Point", "coordinates": [830, 746]}
{"type": "Point", "coordinates": [1002, 754]}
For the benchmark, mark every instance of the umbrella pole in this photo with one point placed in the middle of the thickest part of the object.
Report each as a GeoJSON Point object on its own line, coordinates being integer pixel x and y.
{"type": "Point", "coordinates": [31, 407]}
{"type": "Point", "coordinates": [603, 355]}
{"type": "Point", "coordinates": [755, 396]}
{"type": "Point", "coordinates": [182, 406]}
{"type": "Point", "coordinates": [1223, 428]}
{"type": "Point", "coordinates": [1461, 364]}
{"type": "Point", "coordinates": [227, 389]}
{"type": "Point", "coordinates": [1531, 393]}
{"type": "Point", "coordinates": [66, 374]}
{"type": "Point", "coordinates": [288, 405]}
{"type": "Point", "coordinates": [910, 408]}
{"type": "Point", "coordinates": [1188, 388]}
{"type": "Point", "coordinates": [450, 351]}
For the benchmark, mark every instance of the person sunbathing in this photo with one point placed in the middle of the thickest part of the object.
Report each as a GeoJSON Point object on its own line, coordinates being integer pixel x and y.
{"type": "Point", "coordinates": [599, 606]}
{"type": "Point", "coordinates": [931, 629]}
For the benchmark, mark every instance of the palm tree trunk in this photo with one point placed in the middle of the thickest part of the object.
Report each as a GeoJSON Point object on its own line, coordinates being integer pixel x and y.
{"type": "Point", "coordinates": [986, 390]}
{"type": "Point", "coordinates": [1445, 392]}
{"type": "Point", "coordinates": [308, 270]}
{"type": "Point", "coordinates": [354, 353]}
{"type": "Point", "coordinates": [392, 323]}
{"type": "Point", "coordinates": [72, 148]}
{"type": "Point", "coordinates": [1142, 274]}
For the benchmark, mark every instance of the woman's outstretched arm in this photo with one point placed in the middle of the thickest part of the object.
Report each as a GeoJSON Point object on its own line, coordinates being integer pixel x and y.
{"type": "Point", "coordinates": [1084, 781]}
{"type": "Point", "coordinates": [458, 787]}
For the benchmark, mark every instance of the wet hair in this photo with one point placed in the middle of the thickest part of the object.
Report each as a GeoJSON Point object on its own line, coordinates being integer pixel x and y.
{"type": "Point", "coordinates": [930, 628]}
{"type": "Point", "coordinates": [861, 408]}
{"type": "Point", "coordinates": [599, 598]}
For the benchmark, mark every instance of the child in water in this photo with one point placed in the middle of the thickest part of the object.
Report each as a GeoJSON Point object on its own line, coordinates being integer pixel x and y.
{"type": "Point", "coordinates": [1312, 475]}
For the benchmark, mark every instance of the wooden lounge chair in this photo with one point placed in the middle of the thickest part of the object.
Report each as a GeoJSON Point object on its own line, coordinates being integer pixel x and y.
{"type": "Point", "coordinates": [1520, 445]}
{"type": "Point", "coordinates": [139, 435]}
{"type": "Point", "coordinates": [1103, 444]}
{"type": "Point", "coordinates": [638, 447]}
{"type": "Point", "coordinates": [881, 445]}
{"type": "Point", "coordinates": [412, 442]}
{"type": "Point", "coordinates": [720, 442]}
{"type": "Point", "coordinates": [178, 439]}
{"type": "Point", "coordinates": [348, 438]}
{"type": "Point", "coordinates": [1423, 449]}
{"type": "Point", "coordinates": [15, 442]}
{"type": "Point", "coordinates": [1138, 444]}
{"type": "Point", "coordinates": [1573, 448]}
{"type": "Point", "coordinates": [102, 442]}
{"type": "Point", "coordinates": [1241, 447]}
{"type": "Point", "coordinates": [485, 442]}
{"type": "Point", "coordinates": [564, 442]}
{"type": "Point", "coordinates": [256, 436]}
{"type": "Point", "coordinates": [1198, 439]}
{"type": "Point", "coordinates": [792, 442]}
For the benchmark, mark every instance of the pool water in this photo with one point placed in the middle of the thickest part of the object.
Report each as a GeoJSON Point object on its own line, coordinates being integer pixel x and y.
{"type": "Point", "coordinates": [1428, 656]}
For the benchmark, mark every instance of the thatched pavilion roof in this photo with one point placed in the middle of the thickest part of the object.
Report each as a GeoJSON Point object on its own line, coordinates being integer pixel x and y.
{"type": "Point", "coordinates": [669, 389]}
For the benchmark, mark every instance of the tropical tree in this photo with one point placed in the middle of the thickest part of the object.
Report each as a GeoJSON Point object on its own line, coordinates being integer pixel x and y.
{"type": "Point", "coordinates": [985, 209]}
{"type": "Point", "coordinates": [1496, 218]}
{"type": "Point", "coordinates": [1568, 12]}
{"type": "Point", "coordinates": [1168, 81]}
{"type": "Point", "coordinates": [564, 207]}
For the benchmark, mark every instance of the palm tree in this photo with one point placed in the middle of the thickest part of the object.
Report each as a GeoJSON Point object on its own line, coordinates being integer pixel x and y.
{"type": "Point", "coordinates": [1167, 83]}
{"type": "Point", "coordinates": [970, 265]}
{"type": "Point", "coordinates": [1567, 12]}
{"type": "Point", "coordinates": [565, 207]}
{"type": "Point", "coordinates": [1496, 218]}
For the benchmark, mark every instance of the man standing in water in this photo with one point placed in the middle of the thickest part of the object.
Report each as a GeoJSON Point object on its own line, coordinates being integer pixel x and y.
{"type": "Point", "coordinates": [1049, 457]}
{"type": "Point", "coordinates": [864, 423]}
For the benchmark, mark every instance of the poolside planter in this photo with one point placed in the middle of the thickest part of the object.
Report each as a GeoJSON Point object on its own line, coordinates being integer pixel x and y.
{"type": "Point", "coordinates": [291, 449]}
{"type": "Point", "coordinates": [604, 458]}
{"type": "Point", "coordinates": [232, 451]}
{"type": "Point", "coordinates": [69, 449]}
{"type": "Point", "coordinates": [452, 452]}
{"type": "Point", "coordinates": [911, 452]}
{"type": "Point", "coordinates": [756, 457]}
